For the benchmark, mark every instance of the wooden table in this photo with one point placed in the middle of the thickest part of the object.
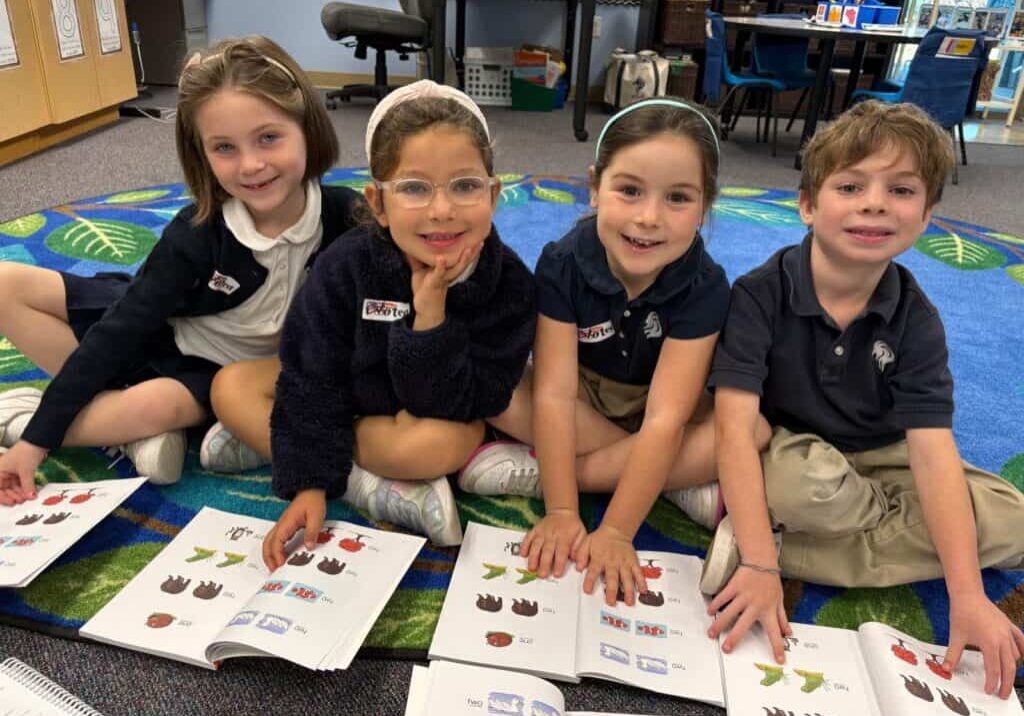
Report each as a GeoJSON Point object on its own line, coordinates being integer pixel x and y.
{"type": "Point", "coordinates": [828, 37]}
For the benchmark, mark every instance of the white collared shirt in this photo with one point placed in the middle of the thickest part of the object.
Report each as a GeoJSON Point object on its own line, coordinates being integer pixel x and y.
{"type": "Point", "coordinates": [253, 329]}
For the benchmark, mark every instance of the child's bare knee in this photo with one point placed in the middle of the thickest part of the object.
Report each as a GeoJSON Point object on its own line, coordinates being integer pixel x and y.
{"type": "Point", "coordinates": [228, 384]}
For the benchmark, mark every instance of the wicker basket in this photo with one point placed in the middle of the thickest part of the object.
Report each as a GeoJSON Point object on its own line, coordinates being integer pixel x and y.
{"type": "Point", "coordinates": [682, 79]}
{"type": "Point", "coordinates": [742, 7]}
{"type": "Point", "coordinates": [682, 22]}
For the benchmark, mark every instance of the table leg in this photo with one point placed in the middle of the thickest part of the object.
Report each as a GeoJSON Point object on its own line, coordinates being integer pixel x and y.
{"type": "Point", "coordinates": [570, 35]}
{"type": "Point", "coordinates": [460, 42]}
{"type": "Point", "coordinates": [856, 67]}
{"type": "Point", "coordinates": [437, 48]}
{"type": "Point", "coordinates": [828, 49]}
{"type": "Point", "coordinates": [579, 116]}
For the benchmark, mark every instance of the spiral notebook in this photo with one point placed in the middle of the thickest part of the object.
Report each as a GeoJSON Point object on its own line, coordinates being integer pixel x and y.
{"type": "Point", "coordinates": [26, 692]}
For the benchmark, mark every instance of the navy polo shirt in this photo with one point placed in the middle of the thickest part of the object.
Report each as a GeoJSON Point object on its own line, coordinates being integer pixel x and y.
{"type": "Point", "coordinates": [858, 389]}
{"type": "Point", "coordinates": [621, 339]}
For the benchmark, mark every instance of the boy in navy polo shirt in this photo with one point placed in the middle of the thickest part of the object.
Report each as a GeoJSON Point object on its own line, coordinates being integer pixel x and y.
{"type": "Point", "coordinates": [840, 349]}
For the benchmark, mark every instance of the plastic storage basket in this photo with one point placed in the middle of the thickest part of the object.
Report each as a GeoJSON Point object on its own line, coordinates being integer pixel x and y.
{"type": "Point", "coordinates": [488, 75]}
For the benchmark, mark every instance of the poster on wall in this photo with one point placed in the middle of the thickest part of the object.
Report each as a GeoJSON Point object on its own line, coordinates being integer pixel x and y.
{"type": "Point", "coordinates": [65, 22]}
{"type": "Point", "coordinates": [110, 32]}
{"type": "Point", "coordinates": [8, 52]}
{"type": "Point", "coordinates": [1017, 28]}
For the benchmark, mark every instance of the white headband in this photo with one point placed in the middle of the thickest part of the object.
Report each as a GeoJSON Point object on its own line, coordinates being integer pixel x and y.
{"type": "Point", "coordinates": [197, 58]}
{"type": "Point", "coordinates": [423, 88]}
{"type": "Point", "coordinates": [656, 102]}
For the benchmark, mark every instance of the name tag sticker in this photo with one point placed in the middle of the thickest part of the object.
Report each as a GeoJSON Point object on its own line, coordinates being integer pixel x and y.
{"type": "Point", "coordinates": [376, 309]}
{"type": "Point", "coordinates": [596, 334]}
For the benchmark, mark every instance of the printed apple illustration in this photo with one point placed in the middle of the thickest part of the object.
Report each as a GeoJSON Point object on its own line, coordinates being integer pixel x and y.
{"type": "Point", "coordinates": [903, 653]}
{"type": "Point", "coordinates": [352, 545]}
{"type": "Point", "coordinates": [55, 499]}
{"type": "Point", "coordinates": [499, 638]}
{"type": "Point", "coordinates": [325, 535]}
{"type": "Point", "coordinates": [158, 620]}
{"type": "Point", "coordinates": [82, 497]}
{"type": "Point", "coordinates": [650, 571]}
{"type": "Point", "coordinates": [937, 668]}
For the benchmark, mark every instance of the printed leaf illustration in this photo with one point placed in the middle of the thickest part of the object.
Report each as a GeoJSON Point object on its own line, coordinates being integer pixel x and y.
{"type": "Point", "coordinates": [116, 242]}
{"type": "Point", "coordinates": [510, 178]}
{"type": "Point", "coordinates": [900, 607]}
{"type": "Point", "coordinates": [11, 359]}
{"type": "Point", "coordinates": [512, 196]}
{"type": "Point", "coordinates": [1016, 273]}
{"type": "Point", "coordinates": [555, 196]}
{"type": "Point", "coordinates": [958, 252]}
{"type": "Point", "coordinates": [23, 227]}
{"type": "Point", "coordinates": [137, 197]}
{"type": "Point", "coordinates": [742, 191]}
{"type": "Point", "coordinates": [408, 620]}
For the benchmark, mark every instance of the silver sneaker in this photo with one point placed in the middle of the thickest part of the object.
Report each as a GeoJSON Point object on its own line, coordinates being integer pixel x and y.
{"type": "Point", "coordinates": [159, 458]}
{"type": "Point", "coordinates": [221, 451]}
{"type": "Point", "coordinates": [16, 407]}
{"type": "Point", "coordinates": [703, 504]}
{"type": "Point", "coordinates": [503, 467]}
{"type": "Point", "coordinates": [425, 506]}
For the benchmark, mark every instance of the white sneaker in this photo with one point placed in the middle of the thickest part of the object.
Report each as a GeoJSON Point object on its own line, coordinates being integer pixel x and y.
{"type": "Point", "coordinates": [159, 458]}
{"type": "Point", "coordinates": [426, 506]}
{"type": "Point", "coordinates": [16, 408]}
{"type": "Point", "coordinates": [723, 557]}
{"type": "Point", "coordinates": [223, 452]}
{"type": "Point", "coordinates": [703, 504]}
{"type": "Point", "coordinates": [502, 467]}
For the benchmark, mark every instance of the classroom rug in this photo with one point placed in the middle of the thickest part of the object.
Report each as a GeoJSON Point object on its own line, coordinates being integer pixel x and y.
{"type": "Point", "coordinates": [975, 275]}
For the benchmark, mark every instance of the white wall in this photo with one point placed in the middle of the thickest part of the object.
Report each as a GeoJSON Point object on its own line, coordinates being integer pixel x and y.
{"type": "Point", "coordinates": [295, 25]}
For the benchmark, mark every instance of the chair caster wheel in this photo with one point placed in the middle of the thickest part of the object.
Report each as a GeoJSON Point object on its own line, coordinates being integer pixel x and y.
{"type": "Point", "coordinates": [581, 135]}
{"type": "Point", "coordinates": [331, 104]}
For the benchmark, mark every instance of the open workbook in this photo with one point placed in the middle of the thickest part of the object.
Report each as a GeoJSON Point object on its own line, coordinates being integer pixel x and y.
{"type": "Point", "coordinates": [208, 596]}
{"type": "Point", "coordinates": [26, 692]}
{"type": "Point", "coordinates": [460, 690]}
{"type": "Point", "coordinates": [499, 613]}
{"type": "Point", "coordinates": [35, 533]}
{"type": "Point", "coordinates": [874, 671]}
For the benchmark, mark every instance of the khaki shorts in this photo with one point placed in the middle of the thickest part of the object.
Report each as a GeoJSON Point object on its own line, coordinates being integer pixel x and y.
{"type": "Point", "coordinates": [622, 403]}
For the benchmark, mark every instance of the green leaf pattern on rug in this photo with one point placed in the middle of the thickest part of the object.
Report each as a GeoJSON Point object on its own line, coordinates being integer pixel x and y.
{"type": "Point", "coordinates": [78, 590]}
{"type": "Point", "coordinates": [510, 512]}
{"type": "Point", "coordinates": [12, 361]}
{"type": "Point", "coordinates": [899, 607]}
{"type": "Point", "coordinates": [555, 196]}
{"type": "Point", "coordinates": [1013, 471]}
{"type": "Point", "coordinates": [1007, 238]}
{"type": "Point", "coordinates": [756, 212]}
{"type": "Point", "coordinates": [670, 521]}
{"type": "Point", "coordinates": [511, 178]}
{"type": "Point", "coordinates": [23, 227]}
{"type": "Point", "coordinates": [1016, 273]}
{"type": "Point", "coordinates": [137, 197]}
{"type": "Point", "coordinates": [512, 196]}
{"type": "Point", "coordinates": [960, 253]}
{"type": "Point", "coordinates": [741, 191]}
{"type": "Point", "coordinates": [408, 621]}
{"type": "Point", "coordinates": [355, 184]}
{"type": "Point", "coordinates": [115, 242]}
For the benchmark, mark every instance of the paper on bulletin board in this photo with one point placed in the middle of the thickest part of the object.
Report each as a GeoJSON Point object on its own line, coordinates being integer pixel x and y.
{"type": "Point", "coordinates": [65, 22]}
{"type": "Point", "coordinates": [8, 51]}
{"type": "Point", "coordinates": [110, 33]}
{"type": "Point", "coordinates": [956, 47]}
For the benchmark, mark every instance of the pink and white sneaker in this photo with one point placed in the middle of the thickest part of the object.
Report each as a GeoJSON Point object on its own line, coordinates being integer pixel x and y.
{"type": "Point", "coordinates": [503, 467]}
{"type": "Point", "coordinates": [703, 504]}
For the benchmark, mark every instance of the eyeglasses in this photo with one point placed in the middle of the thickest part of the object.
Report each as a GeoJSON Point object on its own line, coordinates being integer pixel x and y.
{"type": "Point", "coordinates": [419, 193]}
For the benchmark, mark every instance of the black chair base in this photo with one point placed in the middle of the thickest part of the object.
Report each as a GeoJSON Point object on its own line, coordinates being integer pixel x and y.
{"type": "Point", "coordinates": [346, 93]}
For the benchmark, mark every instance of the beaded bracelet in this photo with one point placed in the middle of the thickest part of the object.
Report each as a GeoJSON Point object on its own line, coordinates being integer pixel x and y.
{"type": "Point", "coordinates": [759, 568]}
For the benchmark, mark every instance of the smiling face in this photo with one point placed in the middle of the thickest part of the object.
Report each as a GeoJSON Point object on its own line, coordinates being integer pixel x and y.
{"type": "Point", "coordinates": [869, 212]}
{"type": "Point", "coordinates": [437, 155]}
{"type": "Point", "coordinates": [650, 203]}
{"type": "Point", "coordinates": [258, 155]}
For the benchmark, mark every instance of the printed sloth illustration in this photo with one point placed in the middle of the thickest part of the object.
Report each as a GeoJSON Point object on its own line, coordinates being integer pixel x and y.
{"type": "Point", "coordinates": [175, 585]}
{"type": "Point", "coordinates": [56, 518]}
{"type": "Point", "coordinates": [488, 603]}
{"type": "Point", "coordinates": [524, 608]}
{"type": "Point", "coordinates": [300, 559]}
{"type": "Point", "coordinates": [917, 688]}
{"type": "Point", "coordinates": [330, 566]}
{"type": "Point", "coordinates": [954, 703]}
{"type": "Point", "coordinates": [207, 590]}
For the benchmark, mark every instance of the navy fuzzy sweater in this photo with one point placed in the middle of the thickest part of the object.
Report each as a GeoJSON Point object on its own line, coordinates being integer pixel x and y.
{"type": "Point", "coordinates": [348, 350]}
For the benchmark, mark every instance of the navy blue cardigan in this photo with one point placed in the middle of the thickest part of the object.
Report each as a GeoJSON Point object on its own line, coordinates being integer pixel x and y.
{"type": "Point", "coordinates": [349, 350]}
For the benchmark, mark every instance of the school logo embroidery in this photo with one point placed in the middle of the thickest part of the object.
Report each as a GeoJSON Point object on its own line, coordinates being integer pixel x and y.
{"type": "Point", "coordinates": [222, 283]}
{"type": "Point", "coordinates": [596, 334]}
{"type": "Point", "coordinates": [882, 354]}
{"type": "Point", "coordinates": [376, 309]}
{"type": "Point", "coordinates": [652, 325]}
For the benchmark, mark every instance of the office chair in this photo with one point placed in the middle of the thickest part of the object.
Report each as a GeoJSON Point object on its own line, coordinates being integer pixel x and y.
{"type": "Point", "coordinates": [403, 32]}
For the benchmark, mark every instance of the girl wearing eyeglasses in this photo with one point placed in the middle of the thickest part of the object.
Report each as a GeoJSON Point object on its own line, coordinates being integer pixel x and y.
{"type": "Point", "coordinates": [408, 333]}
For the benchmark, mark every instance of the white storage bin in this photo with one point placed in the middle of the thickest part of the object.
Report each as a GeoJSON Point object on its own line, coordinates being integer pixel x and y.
{"type": "Point", "coordinates": [488, 75]}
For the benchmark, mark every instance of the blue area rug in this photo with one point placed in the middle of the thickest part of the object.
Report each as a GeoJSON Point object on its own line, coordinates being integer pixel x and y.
{"type": "Point", "coordinates": [973, 274]}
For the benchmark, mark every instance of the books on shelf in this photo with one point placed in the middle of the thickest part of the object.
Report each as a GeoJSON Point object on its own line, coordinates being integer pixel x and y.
{"type": "Point", "coordinates": [456, 689]}
{"type": "Point", "coordinates": [499, 613]}
{"type": "Point", "coordinates": [35, 533]}
{"type": "Point", "coordinates": [26, 692]}
{"type": "Point", "coordinates": [208, 596]}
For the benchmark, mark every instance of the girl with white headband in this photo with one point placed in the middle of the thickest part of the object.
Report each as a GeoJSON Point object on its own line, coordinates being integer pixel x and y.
{"type": "Point", "coordinates": [630, 308]}
{"type": "Point", "coordinates": [133, 359]}
{"type": "Point", "coordinates": [410, 331]}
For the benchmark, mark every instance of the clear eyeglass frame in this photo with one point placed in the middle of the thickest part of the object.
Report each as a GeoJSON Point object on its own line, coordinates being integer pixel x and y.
{"type": "Point", "coordinates": [473, 190]}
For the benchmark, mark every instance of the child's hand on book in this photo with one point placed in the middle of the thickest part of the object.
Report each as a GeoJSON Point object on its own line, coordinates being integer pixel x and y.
{"type": "Point", "coordinates": [751, 596]}
{"type": "Point", "coordinates": [17, 472]}
{"type": "Point", "coordinates": [974, 619]}
{"type": "Point", "coordinates": [307, 510]}
{"type": "Point", "coordinates": [552, 542]}
{"type": "Point", "coordinates": [608, 553]}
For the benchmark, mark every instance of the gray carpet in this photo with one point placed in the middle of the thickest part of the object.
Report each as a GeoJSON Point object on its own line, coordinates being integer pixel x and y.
{"type": "Point", "coordinates": [140, 152]}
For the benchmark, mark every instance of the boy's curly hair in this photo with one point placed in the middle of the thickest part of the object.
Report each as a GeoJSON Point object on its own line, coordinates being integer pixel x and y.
{"type": "Point", "coordinates": [874, 126]}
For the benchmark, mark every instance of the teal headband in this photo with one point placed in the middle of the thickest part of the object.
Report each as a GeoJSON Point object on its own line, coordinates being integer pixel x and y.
{"type": "Point", "coordinates": [656, 102]}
